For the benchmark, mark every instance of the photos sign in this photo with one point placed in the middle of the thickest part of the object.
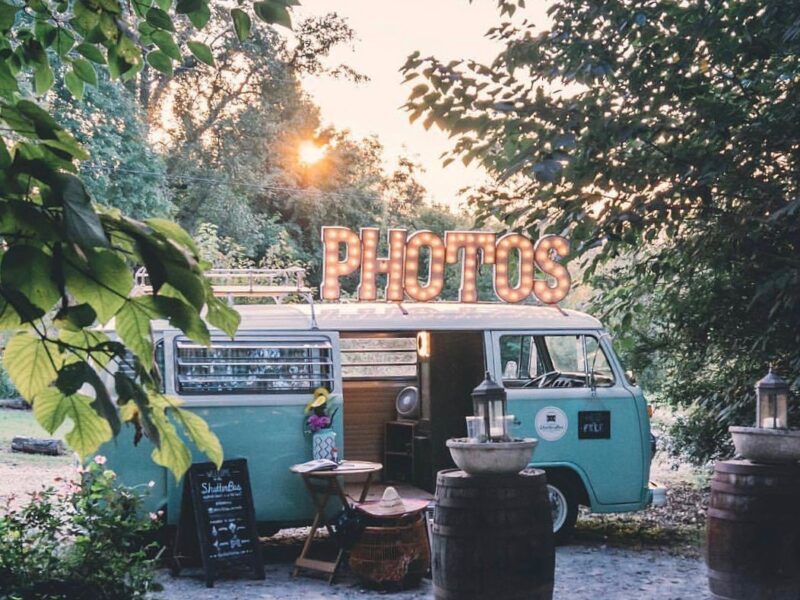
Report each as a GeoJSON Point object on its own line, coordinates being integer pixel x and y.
{"type": "Point", "coordinates": [520, 266]}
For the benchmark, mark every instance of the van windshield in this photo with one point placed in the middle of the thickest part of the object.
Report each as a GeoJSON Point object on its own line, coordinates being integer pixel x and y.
{"type": "Point", "coordinates": [546, 361]}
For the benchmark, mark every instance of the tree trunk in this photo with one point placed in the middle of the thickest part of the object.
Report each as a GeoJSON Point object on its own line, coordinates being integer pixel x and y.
{"type": "Point", "coordinates": [31, 445]}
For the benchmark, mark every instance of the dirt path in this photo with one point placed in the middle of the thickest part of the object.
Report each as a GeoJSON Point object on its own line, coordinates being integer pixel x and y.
{"type": "Point", "coordinates": [582, 573]}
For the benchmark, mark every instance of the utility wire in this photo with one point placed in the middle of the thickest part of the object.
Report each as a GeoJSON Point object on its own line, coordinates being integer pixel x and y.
{"type": "Point", "coordinates": [216, 180]}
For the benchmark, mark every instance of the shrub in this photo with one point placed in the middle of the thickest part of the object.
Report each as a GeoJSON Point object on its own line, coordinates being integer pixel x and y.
{"type": "Point", "coordinates": [86, 540]}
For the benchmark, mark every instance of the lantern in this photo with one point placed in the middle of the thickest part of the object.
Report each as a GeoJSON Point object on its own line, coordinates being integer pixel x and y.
{"type": "Point", "coordinates": [489, 403]}
{"type": "Point", "coordinates": [772, 394]}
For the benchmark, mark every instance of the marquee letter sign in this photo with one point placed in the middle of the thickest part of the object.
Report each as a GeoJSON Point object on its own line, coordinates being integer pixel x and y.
{"type": "Point", "coordinates": [344, 252]}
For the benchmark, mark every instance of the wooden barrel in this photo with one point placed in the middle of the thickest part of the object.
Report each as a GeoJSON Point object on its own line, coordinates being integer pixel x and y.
{"type": "Point", "coordinates": [396, 555]}
{"type": "Point", "coordinates": [753, 531]}
{"type": "Point", "coordinates": [492, 537]}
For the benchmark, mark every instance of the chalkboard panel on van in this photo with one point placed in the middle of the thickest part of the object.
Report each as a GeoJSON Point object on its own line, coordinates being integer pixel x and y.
{"type": "Point", "coordinates": [594, 425]}
{"type": "Point", "coordinates": [218, 505]}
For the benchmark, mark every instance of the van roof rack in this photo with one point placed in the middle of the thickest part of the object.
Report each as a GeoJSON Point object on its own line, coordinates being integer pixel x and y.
{"type": "Point", "coordinates": [277, 284]}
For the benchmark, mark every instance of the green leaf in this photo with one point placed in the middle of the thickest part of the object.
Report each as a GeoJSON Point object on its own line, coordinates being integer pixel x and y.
{"type": "Point", "coordinates": [29, 270]}
{"type": "Point", "coordinates": [89, 431]}
{"type": "Point", "coordinates": [241, 23]}
{"type": "Point", "coordinates": [187, 6]}
{"type": "Point", "coordinates": [160, 61]}
{"type": "Point", "coordinates": [49, 410]}
{"type": "Point", "coordinates": [128, 390]}
{"type": "Point", "coordinates": [133, 327]}
{"type": "Point", "coordinates": [200, 17]}
{"type": "Point", "coordinates": [81, 223]}
{"type": "Point", "coordinates": [273, 12]}
{"type": "Point", "coordinates": [8, 82]}
{"type": "Point", "coordinates": [84, 69]}
{"type": "Point", "coordinates": [102, 348]}
{"type": "Point", "coordinates": [222, 316]}
{"type": "Point", "coordinates": [75, 317]}
{"type": "Point", "coordinates": [74, 84]}
{"type": "Point", "coordinates": [184, 317]}
{"type": "Point", "coordinates": [42, 79]}
{"type": "Point", "coordinates": [8, 14]}
{"type": "Point", "coordinates": [191, 285]}
{"type": "Point", "coordinates": [159, 19]}
{"type": "Point", "coordinates": [174, 232]}
{"type": "Point", "coordinates": [172, 452]}
{"type": "Point", "coordinates": [201, 435]}
{"type": "Point", "coordinates": [31, 363]}
{"type": "Point", "coordinates": [103, 281]}
{"type": "Point", "coordinates": [64, 42]}
{"type": "Point", "coordinates": [91, 52]}
{"type": "Point", "coordinates": [164, 41]}
{"type": "Point", "coordinates": [102, 403]}
{"type": "Point", "coordinates": [201, 52]}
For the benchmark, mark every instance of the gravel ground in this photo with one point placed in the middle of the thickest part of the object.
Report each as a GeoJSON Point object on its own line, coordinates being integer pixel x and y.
{"type": "Point", "coordinates": [582, 573]}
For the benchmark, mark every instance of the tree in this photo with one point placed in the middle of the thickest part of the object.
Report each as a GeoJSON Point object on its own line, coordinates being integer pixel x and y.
{"type": "Point", "coordinates": [663, 138]}
{"type": "Point", "coordinates": [66, 262]}
{"type": "Point", "coordinates": [124, 171]}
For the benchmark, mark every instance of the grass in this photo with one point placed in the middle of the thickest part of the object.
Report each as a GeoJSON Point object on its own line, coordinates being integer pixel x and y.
{"type": "Point", "coordinates": [633, 534]}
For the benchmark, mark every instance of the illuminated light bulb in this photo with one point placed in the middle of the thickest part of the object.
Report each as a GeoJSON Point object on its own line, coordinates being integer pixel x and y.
{"type": "Point", "coordinates": [471, 243]}
{"type": "Point", "coordinates": [333, 268]}
{"type": "Point", "coordinates": [514, 242]}
{"type": "Point", "coordinates": [371, 265]}
{"type": "Point", "coordinates": [435, 282]}
{"type": "Point", "coordinates": [550, 294]}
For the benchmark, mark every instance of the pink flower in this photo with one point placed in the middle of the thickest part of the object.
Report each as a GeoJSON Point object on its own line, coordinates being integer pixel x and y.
{"type": "Point", "coordinates": [153, 516]}
{"type": "Point", "coordinates": [151, 484]}
{"type": "Point", "coordinates": [100, 460]}
{"type": "Point", "coordinates": [317, 422]}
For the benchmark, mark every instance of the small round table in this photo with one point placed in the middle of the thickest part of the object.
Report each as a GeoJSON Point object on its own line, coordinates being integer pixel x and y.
{"type": "Point", "coordinates": [322, 486]}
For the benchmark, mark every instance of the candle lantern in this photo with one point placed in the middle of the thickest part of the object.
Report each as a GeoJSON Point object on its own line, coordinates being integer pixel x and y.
{"type": "Point", "coordinates": [489, 403]}
{"type": "Point", "coordinates": [772, 394]}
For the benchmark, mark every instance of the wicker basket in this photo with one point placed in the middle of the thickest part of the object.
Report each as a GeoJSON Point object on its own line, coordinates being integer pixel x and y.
{"type": "Point", "coordinates": [397, 554]}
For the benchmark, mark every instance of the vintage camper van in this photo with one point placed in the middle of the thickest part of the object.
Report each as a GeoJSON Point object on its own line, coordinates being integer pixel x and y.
{"type": "Point", "coordinates": [565, 387]}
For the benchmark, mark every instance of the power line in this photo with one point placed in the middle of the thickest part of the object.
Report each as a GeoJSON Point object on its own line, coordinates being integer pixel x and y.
{"type": "Point", "coordinates": [219, 181]}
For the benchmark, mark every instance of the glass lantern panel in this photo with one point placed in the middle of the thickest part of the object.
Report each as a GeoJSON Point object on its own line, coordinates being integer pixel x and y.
{"type": "Point", "coordinates": [772, 410]}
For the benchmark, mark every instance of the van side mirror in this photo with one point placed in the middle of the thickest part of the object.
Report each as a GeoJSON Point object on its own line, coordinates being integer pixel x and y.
{"type": "Point", "coordinates": [630, 377]}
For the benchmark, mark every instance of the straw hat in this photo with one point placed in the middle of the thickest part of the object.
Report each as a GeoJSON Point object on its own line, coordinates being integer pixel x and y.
{"type": "Point", "coordinates": [392, 505]}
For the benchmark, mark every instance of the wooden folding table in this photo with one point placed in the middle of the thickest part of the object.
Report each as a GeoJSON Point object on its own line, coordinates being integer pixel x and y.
{"type": "Point", "coordinates": [322, 486]}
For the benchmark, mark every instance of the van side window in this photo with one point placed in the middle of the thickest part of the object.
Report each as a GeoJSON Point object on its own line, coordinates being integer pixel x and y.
{"type": "Point", "coordinates": [127, 365]}
{"type": "Point", "coordinates": [379, 357]}
{"type": "Point", "coordinates": [253, 366]}
{"type": "Point", "coordinates": [553, 361]}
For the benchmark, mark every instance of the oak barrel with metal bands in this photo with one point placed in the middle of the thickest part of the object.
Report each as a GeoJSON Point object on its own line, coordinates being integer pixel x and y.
{"type": "Point", "coordinates": [492, 537]}
{"type": "Point", "coordinates": [753, 531]}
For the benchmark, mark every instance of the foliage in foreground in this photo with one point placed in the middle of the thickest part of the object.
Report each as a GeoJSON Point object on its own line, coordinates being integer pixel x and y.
{"type": "Point", "coordinates": [66, 264]}
{"type": "Point", "coordinates": [86, 540]}
{"type": "Point", "coordinates": [662, 137]}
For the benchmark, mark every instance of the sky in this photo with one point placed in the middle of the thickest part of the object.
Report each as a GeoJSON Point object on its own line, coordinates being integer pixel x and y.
{"type": "Point", "coordinates": [388, 31]}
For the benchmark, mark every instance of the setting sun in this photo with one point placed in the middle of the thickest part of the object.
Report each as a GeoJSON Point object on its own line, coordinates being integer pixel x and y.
{"type": "Point", "coordinates": [309, 153]}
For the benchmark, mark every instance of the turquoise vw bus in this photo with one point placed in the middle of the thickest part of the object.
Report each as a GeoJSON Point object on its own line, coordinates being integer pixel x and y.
{"type": "Point", "coordinates": [565, 387]}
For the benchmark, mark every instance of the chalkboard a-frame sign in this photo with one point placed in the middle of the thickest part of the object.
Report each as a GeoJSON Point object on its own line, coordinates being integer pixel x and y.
{"type": "Point", "coordinates": [217, 515]}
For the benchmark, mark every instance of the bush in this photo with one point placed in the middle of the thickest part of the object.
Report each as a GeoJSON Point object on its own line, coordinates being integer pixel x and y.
{"type": "Point", "coordinates": [87, 540]}
{"type": "Point", "coordinates": [7, 389]}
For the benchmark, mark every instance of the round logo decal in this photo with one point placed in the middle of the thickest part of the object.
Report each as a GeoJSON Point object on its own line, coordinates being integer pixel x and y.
{"type": "Point", "coordinates": [551, 423]}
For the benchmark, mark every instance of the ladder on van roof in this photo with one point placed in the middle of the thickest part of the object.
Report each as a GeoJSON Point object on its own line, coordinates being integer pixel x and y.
{"type": "Point", "coordinates": [277, 284]}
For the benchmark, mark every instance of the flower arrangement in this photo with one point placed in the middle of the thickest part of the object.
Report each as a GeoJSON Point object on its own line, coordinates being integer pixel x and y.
{"type": "Point", "coordinates": [316, 411]}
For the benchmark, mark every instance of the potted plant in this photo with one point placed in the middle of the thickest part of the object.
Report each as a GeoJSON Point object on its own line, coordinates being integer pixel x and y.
{"type": "Point", "coordinates": [318, 421]}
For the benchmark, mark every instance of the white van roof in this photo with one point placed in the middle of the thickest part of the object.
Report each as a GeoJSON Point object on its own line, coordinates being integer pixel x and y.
{"type": "Point", "coordinates": [383, 316]}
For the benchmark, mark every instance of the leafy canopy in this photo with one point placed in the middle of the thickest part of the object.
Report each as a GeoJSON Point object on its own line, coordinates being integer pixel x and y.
{"type": "Point", "coordinates": [663, 139]}
{"type": "Point", "coordinates": [66, 264]}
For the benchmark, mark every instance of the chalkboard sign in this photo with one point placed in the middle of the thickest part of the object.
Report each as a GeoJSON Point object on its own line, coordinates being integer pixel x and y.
{"type": "Point", "coordinates": [218, 505]}
{"type": "Point", "coordinates": [594, 425]}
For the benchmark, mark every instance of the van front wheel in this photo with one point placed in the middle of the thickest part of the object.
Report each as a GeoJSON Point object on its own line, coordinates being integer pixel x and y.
{"type": "Point", "coordinates": [563, 506]}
